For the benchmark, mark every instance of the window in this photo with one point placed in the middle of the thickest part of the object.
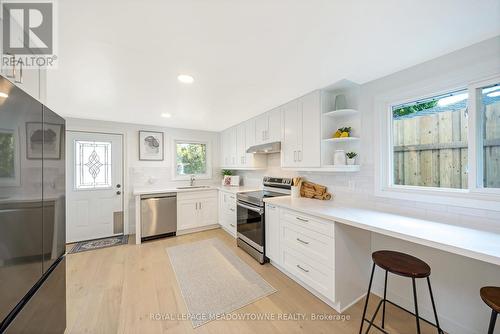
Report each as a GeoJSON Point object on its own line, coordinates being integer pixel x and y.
{"type": "Point", "coordinates": [191, 159]}
{"type": "Point", "coordinates": [443, 148]}
{"type": "Point", "coordinates": [92, 165]}
{"type": "Point", "coordinates": [429, 142]}
{"type": "Point", "coordinates": [489, 114]}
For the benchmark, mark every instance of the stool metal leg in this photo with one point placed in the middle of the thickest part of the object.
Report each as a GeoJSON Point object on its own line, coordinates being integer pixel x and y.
{"type": "Point", "coordinates": [493, 319]}
{"type": "Point", "coordinates": [366, 302]}
{"type": "Point", "coordinates": [434, 306]}
{"type": "Point", "coordinates": [385, 298]}
{"type": "Point", "coordinates": [416, 304]}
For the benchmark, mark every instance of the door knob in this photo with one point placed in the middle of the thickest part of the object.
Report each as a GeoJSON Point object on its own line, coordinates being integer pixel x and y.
{"type": "Point", "coordinates": [118, 186]}
{"type": "Point", "coordinates": [118, 192]}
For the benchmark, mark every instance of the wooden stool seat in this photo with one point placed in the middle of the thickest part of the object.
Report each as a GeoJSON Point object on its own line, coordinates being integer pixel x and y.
{"type": "Point", "coordinates": [491, 296]}
{"type": "Point", "coordinates": [401, 264]}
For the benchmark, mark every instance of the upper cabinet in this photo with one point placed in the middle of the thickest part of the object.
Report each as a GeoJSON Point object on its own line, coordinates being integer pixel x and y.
{"type": "Point", "coordinates": [234, 144]}
{"type": "Point", "coordinates": [301, 145]}
{"type": "Point", "coordinates": [268, 127]}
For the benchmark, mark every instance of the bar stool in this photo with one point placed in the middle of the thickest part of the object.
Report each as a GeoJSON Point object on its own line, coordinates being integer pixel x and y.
{"type": "Point", "coordinates": [402, 265]}
{"type": "Point", "coordinates": [491, 296]}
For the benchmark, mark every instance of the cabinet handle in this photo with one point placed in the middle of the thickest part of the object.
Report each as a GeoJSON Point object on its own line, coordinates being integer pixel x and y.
{"type": "Point", "coordinates": [200, 205]}
{"type": "Point", "coordinates": [299, 155]}
{"type": "Point", "coordinates": [232, 209]}
{"type": "Point", "coordinates": [302, 219]}
{"type": "Point", "coordinates": [231, 225]}
{"type": "Point", "coordinates": [304, 270]}
{"type": "Point", "coordinates": [294, 156]}
{"type": "Point", "coordinates": [13, 62]}
{"type": "Point", "coordinates": [20, 81]}
{"type": "Point", "coordinates": [196, 205]}
{"type": "Point", "coordinates": [302, 241]}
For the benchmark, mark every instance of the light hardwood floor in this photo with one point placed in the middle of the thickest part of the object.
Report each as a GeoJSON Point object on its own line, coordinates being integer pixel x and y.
{"type": "Point", "coordinates": [116, 289]}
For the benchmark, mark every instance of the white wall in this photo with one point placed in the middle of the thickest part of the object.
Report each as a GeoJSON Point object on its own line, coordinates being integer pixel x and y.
{"type": "Point", "coordinates": [456, 280]}
{"type": "Point", "coordinates": [150, 174]}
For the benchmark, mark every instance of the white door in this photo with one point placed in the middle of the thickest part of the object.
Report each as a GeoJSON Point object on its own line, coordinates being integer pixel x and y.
{"type": "Point", "coordinates": [94, 185]}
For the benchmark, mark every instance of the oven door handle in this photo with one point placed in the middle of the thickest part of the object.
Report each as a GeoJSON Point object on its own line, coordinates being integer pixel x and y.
{"type": "Point", "coordinates": [251, 208]}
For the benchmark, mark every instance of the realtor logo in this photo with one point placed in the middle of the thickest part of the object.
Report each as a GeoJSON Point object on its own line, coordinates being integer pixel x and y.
{"type": "Point", "coordinates": [28, 33]}
{"type": "Point", "coordinates": [27, 28]}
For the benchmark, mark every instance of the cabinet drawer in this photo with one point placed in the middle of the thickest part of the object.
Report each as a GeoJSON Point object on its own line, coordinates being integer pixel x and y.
{"type": "Point", "coordinates": [313, 274]}
{"type": "Point", "coordinates": [313, 245]}
{"type": "Point", "coordinates": [308, 222]}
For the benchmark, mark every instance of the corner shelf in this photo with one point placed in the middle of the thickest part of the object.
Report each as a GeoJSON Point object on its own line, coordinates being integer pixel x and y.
{"type": "Point", "coordinates": [341, 113]}
{"type": "Point", "coordinates": [327, 169]}
{"type": "Point", "coordinates": [341, 140]}
{"type": "Point", "coordinates": [343, 168]}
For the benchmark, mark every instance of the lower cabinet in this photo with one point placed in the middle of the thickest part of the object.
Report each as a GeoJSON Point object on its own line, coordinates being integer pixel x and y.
{"type": "Point", "coordinates": [272, 233]}
{"type": "Point", "coordinates": [329, 259]}
{"type": "Point", "coordinates": [227, 212]}
{"type": "Point", "coordinates": [196, 210]}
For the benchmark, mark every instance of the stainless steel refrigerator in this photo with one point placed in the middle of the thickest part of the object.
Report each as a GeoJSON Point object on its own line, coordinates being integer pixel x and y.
{"type": "Point", "coordinates": [32, 215]}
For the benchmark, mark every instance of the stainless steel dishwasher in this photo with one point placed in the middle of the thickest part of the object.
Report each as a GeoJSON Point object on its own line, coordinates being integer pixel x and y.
{"type": "Point", "coordinates": [158, 215]}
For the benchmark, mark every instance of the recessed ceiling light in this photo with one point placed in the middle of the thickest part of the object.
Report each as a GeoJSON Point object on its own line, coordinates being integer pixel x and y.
{"type": "Point", "coordinates": [166, 115]}
{"type": "Point", "coordinates": [184, 78]}
{"type": "Point", "coordinates": [2, 94]}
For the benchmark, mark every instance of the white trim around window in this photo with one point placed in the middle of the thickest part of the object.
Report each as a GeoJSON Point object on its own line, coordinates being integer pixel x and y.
{"type": "Point", "coordinates": [208, 173]}
{"type": "Point", "coordinates": [475, 196]}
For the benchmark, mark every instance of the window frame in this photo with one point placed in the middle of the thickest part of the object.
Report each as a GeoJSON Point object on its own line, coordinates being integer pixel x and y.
{"type": "Point", "coordinates": [474, 195]}
{"type": "Point", "coordinates": [205, 176]}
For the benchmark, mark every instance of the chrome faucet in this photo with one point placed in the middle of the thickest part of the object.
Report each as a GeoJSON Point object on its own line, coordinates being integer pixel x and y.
{"type": "Point", "coordinates": [191, 180]}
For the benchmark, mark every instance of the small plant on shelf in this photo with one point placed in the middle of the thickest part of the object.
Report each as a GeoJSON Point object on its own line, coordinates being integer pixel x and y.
{"type": "Point", "coordinates": [342, 132]}
{"type": "Point", "coordinates": [351, 158]}
{"type": "Point", "coordinates": [226, 172]}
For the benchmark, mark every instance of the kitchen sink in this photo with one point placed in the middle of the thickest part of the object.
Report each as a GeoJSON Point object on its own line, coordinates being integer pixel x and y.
{"type": "Point", "coordinates": [193, 187]}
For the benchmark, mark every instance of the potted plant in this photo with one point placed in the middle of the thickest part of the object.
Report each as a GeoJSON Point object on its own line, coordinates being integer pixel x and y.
{"type": "Point", "coordinates": [351, 158]}
{"type": "Point", "coordinates": [226, 177]}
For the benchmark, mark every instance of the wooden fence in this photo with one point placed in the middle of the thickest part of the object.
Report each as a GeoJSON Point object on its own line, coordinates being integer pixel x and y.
{"type": "Point", "coordinates": [431, 150]}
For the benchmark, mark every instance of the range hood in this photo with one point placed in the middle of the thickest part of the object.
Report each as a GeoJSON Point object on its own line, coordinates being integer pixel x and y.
{"type": "Point", "coordinates": [273, 147]}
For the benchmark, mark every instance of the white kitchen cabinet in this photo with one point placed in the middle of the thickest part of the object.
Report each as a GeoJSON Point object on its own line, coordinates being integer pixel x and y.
{"type": "Point", "coordinates": [272, 233]}
{"type": "Point", "coordinates": [268, 127]}
{"type": "Point", "coordinates": [301, 144]}
{"type": "Point", "coordinates": [289, 145]}
{"type": "Point", "coordinates": [233, 149]}
{"type": "Point", "coordinates": [229, 148]}
{"type": "Point", "coordinates": [196, 210]}
{"type": "Point", "coordinates": [261, 127]}
{"type": "Point", "coordinates": [227, 210]}
{"type": "Point", "coordinates": [241, 145]}
{"type": "Point", "coordinates": [274, 125]}
{"type": "Point", "coordinates": [329, 259]}
{"type": "Point", "coordinates": [309, 154]}
{"type": "Point", "coordinates": [234, 144]}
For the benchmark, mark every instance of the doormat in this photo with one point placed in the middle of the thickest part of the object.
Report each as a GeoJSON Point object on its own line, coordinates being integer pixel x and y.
{"type": "Point", "coordinates": [99, 243]}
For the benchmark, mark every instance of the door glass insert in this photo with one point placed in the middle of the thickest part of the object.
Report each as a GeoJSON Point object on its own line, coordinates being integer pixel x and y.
{"type": "Point", "coordinates": [92, 164]}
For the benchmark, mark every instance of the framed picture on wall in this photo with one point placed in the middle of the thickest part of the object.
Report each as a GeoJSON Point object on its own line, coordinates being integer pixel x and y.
{"type": "Point", "coordinates": [150, 146]}
{"type": "Point", "coordinates": [46, 141]}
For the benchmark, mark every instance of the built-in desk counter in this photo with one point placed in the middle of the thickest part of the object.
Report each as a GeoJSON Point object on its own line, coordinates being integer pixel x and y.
{"type": "Point", "coordinates": [472, 243]}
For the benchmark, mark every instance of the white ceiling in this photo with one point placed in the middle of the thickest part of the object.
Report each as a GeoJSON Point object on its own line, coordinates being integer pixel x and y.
{"type": "Point", "coordinates": [119, 59]}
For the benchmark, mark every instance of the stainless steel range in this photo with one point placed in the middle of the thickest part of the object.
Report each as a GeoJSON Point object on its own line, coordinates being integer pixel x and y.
{"type": "Point", "coordinates": [251, 215]}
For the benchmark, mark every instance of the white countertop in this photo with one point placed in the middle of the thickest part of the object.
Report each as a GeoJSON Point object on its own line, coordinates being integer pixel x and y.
{"type": "Point", "coordinates": [234, 190]}
{"type": "Point", "coordinates": [476, 244]}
